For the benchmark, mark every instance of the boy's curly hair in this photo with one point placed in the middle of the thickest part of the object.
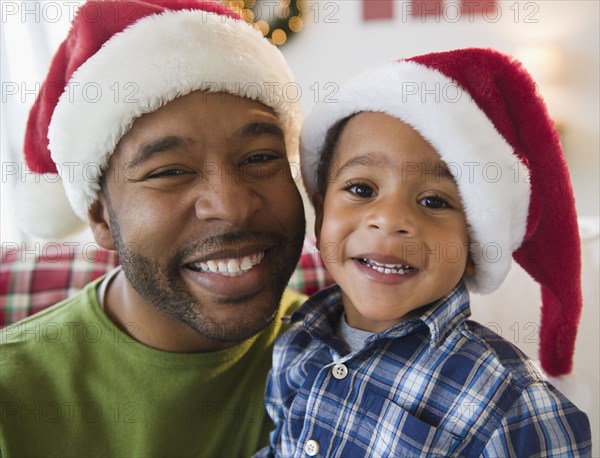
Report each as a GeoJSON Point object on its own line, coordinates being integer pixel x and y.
{"type": "Point", "coordinates": [327, 153]}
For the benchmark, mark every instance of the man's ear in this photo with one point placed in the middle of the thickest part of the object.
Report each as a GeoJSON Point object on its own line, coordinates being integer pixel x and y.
{"type": "Point", "coordinates": [317, 201]}
{"type": "Point", "coordinates": [100, 222]}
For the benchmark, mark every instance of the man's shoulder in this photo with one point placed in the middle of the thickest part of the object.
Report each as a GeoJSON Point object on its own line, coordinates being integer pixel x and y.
{"type": "Point", "coordinates": [49, 323]}
{"type": "Point", "coordinates": [263, 346]}
{"type": "Point", "coordinates": [41, 355]}
{"type": "Point", "coordinates": [290, 301]}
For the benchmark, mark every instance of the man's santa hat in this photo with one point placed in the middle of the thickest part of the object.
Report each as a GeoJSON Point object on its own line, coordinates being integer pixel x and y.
{"type": "Point", "coordinates": [480, 110]}
{"type": "Point", "coordinates": [122, 59]}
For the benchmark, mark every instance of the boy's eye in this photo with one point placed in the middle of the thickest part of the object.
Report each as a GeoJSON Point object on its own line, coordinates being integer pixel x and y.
{"type": "Point", "coordinates": [434, 202]}
{"type": "Point", "coordinates": [360, 190]}
{"type": "Point", "coordinates": [260, 158]}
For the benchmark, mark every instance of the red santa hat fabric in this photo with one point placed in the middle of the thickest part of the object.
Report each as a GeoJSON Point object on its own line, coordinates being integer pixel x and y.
{"type": "Point", "coordinates": [480, 110]}
{"type": "Point", "coordinates": [122, 59]}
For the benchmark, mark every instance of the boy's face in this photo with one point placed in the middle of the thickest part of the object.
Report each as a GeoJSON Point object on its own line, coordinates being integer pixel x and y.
{"type": "Point", "coordinates": [391, 228]}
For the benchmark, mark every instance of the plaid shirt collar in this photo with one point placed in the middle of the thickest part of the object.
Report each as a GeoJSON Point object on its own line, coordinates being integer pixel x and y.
{"type": "Point", "coordinates": [321, 313]}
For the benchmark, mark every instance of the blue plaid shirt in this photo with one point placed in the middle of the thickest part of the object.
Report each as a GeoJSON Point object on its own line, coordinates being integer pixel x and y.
{"type": "Point", "coordinates": [434, 385]}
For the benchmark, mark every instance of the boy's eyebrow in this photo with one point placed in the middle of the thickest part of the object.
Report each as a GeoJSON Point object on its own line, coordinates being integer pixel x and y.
{"type": "Point", "coordinates": [366, 160]}
{"type": "Point", "coordinates": [438, 170]}
{"type": "Point", "coordinates": [160, 145]}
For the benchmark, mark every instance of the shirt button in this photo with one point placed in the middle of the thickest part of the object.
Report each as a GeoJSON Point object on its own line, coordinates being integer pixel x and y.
{"type": "Point", "coordinates": [339, 371]}
{"type": "Point", "coordinates": [312, 447]}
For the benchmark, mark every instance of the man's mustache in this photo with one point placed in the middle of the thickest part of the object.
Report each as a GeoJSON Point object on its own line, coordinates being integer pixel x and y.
{"type": "Point", "coordinates": [231, 241]}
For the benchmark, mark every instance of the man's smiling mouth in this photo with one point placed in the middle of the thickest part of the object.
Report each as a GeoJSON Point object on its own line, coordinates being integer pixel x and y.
{"type": "Point", "coordinates": [229, 267]}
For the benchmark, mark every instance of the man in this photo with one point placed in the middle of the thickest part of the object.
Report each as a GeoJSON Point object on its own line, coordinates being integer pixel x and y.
{"type": "Point", "coordinates": [185, 174]}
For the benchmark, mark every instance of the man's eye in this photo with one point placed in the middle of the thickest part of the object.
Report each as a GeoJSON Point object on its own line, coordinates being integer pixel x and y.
{"type": "Point", "coordinates": [167, 173]}
{"type": "Point", "coordinates": [360, 190]}
{"type": "Point", "coordinates": [434, 202]}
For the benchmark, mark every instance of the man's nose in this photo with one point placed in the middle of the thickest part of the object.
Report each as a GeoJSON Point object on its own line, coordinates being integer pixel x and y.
{"type": "Point", "coordinates": [227, 199]}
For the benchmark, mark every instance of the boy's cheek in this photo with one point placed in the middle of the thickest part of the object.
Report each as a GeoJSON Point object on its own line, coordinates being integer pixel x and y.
{"type": "Point", "coordinates": [317, 201]}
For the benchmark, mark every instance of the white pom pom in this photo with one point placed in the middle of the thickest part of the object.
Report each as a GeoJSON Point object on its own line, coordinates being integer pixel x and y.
{"type": "Point", "coordinates": [42, 208]}
{"type": "Point", "coordinates": [574, 386]}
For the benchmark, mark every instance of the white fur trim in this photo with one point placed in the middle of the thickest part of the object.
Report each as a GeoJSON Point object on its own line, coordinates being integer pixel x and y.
{"type": "Point", "coordinates": [43, 209]}
{"type": "Point", "coordinates": [492, 181]}
{"type": "Point", "coordinates": [149, 64]}
{"type": "Point", "coordinates": [574, 386]}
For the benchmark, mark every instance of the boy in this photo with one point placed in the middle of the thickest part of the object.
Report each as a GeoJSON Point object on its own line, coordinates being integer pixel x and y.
{"type": "Point", "coordinates": [385, 363]}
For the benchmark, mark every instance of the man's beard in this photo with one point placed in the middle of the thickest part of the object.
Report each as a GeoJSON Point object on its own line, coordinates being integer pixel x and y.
{"type": "Point", "coordinates": [164, 287]}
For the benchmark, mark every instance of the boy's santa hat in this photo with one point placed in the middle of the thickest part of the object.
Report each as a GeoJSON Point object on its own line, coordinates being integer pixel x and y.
{"type": "Point", "coordinates": [481, 112]}
{"type": "Point", "coordinates": [122, 59]}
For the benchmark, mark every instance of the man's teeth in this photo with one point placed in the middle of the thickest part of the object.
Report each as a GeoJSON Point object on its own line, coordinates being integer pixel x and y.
{"type": "Point", "coordinates": [398, 269]}
{"type": "Point", "coordinates": [230, 267]}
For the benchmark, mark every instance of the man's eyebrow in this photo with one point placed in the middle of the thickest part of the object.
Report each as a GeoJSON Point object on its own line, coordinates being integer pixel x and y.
{"type": "Point", "coordinates": [160, 145]}
{"type": "Point", "coordinates": [256, 129]}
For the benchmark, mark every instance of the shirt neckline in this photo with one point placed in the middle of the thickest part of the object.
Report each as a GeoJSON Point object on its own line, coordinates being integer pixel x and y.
{"type": "Point", "coordinates": [321, 313]}
{"type": "Point", "coordinates": [128, 347]}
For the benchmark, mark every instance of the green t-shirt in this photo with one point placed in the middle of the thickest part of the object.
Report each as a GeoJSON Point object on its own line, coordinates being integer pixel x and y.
{"type": "Point", "coordinates": [73, 384]}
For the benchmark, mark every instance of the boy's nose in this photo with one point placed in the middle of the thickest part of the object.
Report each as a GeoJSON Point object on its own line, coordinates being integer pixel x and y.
{"type": "Point", "coordinates": [391, 216]}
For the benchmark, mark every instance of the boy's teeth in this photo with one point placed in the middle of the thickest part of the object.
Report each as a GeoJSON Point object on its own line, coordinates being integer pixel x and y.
{"type": "Point", "coordinates": [398, 269]}
{"type": "Point", "coordinates": [231, 267]}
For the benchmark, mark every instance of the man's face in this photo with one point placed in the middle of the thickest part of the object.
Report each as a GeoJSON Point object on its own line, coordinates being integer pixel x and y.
{"type": "Point", "coordinates": [204, 213]}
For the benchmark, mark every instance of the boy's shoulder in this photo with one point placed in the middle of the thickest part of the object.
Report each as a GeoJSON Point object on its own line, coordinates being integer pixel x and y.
{"type": "Point", "coordinates": [498, 353]}
{"type": "Point", "coordinates": [534, 403]}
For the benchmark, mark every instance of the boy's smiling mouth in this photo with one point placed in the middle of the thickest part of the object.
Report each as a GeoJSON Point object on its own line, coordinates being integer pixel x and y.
{"type": "Point", "coordinates": [387, 266]}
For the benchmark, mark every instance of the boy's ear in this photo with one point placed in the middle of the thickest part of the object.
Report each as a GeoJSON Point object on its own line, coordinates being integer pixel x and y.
{"type": "Point", "coordinates": [317, 201]}
{"type": "Point", "coordinates": [100, 222]}
{"type": "Point", "coordinates": [470, 267]}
